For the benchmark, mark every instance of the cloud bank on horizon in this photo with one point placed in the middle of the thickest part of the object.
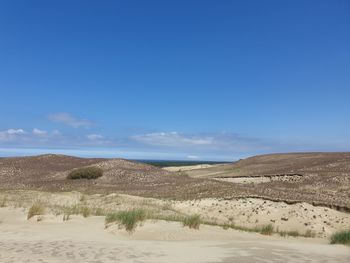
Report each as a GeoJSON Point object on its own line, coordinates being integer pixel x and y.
{"type": "Point", "coordinates": [223, 146]}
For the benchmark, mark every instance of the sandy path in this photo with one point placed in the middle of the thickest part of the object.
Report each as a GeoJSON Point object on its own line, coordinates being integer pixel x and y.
{"type": "Point", "coordinates": [86, 240]}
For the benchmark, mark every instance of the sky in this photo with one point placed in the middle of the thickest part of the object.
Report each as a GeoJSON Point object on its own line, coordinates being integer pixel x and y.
{"type": "Point", "coordinates": [189, 80]}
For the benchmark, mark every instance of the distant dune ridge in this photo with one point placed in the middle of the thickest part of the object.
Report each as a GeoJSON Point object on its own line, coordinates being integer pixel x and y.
{"type": "Point", "coordinates": [316, 178]}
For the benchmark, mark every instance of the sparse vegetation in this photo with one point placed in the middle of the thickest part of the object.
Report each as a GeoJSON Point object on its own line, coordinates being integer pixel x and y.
{"type": "Point", "coordinates": [35, 209]}
{"type": "Point", "coordinates": [192, 221]}
{"type": "Point", "coordinates": [99, 212]}
{"type": "Point", "coordinates": [85, 211]}
{"type": "Point", "coordinates": [183, 174]}
{"type": "Point", "coordinates": [128, 219]}
{"type": "Point", "coordinates": [167, 206]}
{"type": "Point", "coordinates": [3, 202]}
{"type": "Point", "coordinates": [40, 178]}
{"type": "Point", "coordinates": [295, 233]}
{"type": "Point", "coordinates": [159, 216]}
{"type": "Point", "coordinates": [101, 205]}
{"type": "Point", "coordinates": [82, 199]}
{"type": "Point", "coordinates": [310, 233]}
{"type": "Point", "coordinates": [267, 230]}
{"type": "Point", "coordinates": [225, 226]}
{"type": "Point", "coordinates": [85, 173]}
{"type": "Point", "coordinates": [264, 230]}
{"type": "Point", "coordinates": [289, 233]}
{"type": "Point", "coordinates": [342, 237]}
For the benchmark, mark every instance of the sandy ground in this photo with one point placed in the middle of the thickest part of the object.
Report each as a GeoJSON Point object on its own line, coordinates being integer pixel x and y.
{"type": "Point", "coordinates": [242, 212]}
{"type": "Point", "coordinates": [252, 212]}
{"type": "Point", "coordinates": [188, 167]}
{"type": "Point", "coordinates": [86, 240]}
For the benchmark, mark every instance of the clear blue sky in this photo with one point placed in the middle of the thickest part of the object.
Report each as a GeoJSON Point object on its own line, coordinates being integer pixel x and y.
{"type": "Point", "coordinates": [214, 80]}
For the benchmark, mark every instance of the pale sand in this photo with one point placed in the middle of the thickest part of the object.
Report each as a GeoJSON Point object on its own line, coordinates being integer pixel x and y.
{"type": "Point", "coordinates": [252, 212]}
{"type": "Point", "coordinates": [188, 167]}
{"type": "Point", "coordinates": [86, 240]}
{"type": "Point", "coordinates": [244, 212]}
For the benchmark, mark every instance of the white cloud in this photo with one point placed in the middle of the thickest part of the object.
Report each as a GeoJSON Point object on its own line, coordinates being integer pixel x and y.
{"type": "Point", "coordinates": [22, 137]}
{"type": "Point", "coordinates": [39, 132]}
{"type": "Point", "coordinates": [39, 137]}
{"type": "Point", "coordinates": [94, 137]}
{"type": "Point", "coordinates": [11, 134]}
{"type": "Point", "coordinates": [203, 144]}
{"type": "Point", "coordinates": [159, 145]}
{"type": "Point", "coordinates": [70, 120]}
{"type": "Point", "coordinates": [15, 132]}
{"type": "Point", "coordinates": [174, 139]}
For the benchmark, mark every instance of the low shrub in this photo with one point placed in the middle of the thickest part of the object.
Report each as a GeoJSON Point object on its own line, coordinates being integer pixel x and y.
{"type": "Point", "coordinates": [127, 219]}
{"type": "Point", "coordinates": [85, 173]}
{"type": "Point", "coordinates": [35, 209]}
{"type": "Point", "coordinates": [342, 237]}
{"type": "Point", "coordinates": [192, 221]}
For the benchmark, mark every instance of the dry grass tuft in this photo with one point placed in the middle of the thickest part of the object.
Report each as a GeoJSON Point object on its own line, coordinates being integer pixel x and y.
{"type": "Point", "coordinates": [267, 230]}
{"type": "Point", "coordinates": [3, 202]}
{"type": "Point", "coordinates": [129, 219]}
{"type": "Point", "coordinates": [192, 221]}
{"type": "Point", "coordinates": [35, 209]}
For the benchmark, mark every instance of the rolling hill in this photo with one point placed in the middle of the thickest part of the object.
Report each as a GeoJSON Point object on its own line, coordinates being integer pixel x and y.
{"type": "Point", "coordinates": [317, 178]}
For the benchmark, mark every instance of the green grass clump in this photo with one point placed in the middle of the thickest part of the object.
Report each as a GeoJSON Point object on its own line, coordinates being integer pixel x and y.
{"type": "Point", "coordinates": [35, 209]}
{"type": "Point", "coordinates": [192, 221]}
{"type": "Point", "coordinates": [85, 173]}
{"type": "Point", "coordinates": [267, 230]}
{"type": "Point", "coordinates": [128, 219]}
{"type": "Point", "coordinates": [342, 237]}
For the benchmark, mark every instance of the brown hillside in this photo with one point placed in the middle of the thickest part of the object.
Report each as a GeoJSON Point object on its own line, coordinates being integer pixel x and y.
{"type": "Point", "coordinates": [274, 164]}
{"type": "Point", "coordinates": [35, 168]}
{"type": "Point", "coordinates": [316, 178]}
{"type": "Point", "coordinates": [49, 172]}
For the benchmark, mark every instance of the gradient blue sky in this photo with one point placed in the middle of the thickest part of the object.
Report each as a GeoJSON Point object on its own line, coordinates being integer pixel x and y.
{"type": "Point", "coordinates": [215, 80]}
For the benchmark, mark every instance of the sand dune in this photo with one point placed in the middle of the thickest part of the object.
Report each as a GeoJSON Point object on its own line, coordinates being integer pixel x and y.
{"type": "Point", "coordinates": [320, 178]}
{"type": "Point", "coordinates": [295, 194]}
{"type": "Point", "coordinates": [86, 240]}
